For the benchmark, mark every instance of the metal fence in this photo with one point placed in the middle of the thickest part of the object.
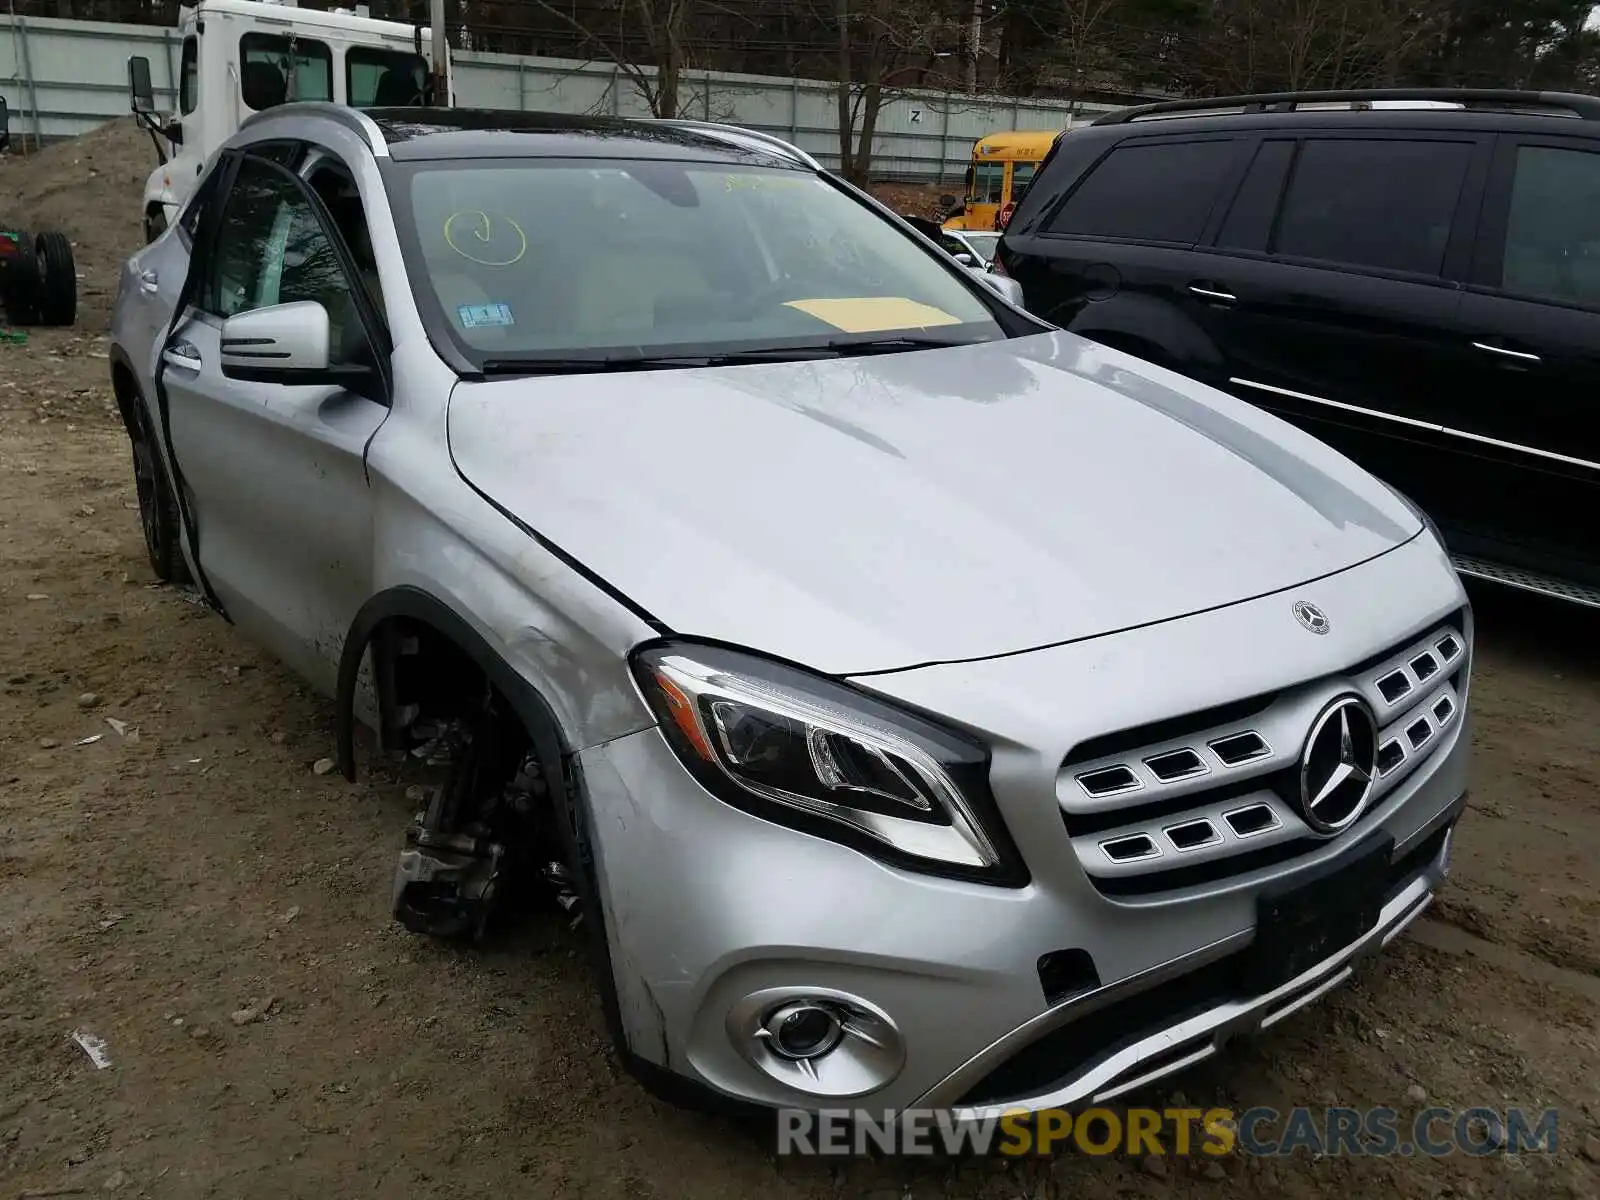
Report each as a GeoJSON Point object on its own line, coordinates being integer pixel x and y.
{"type": "Point", "coordinates": [62, 78]}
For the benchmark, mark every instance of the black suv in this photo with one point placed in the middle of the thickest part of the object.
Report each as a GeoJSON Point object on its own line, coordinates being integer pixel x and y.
{"type": "Point", "coordinates": [1411, 275]}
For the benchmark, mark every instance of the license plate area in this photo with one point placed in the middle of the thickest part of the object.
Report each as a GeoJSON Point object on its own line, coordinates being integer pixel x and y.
{"type": "Point", "coordinates": [1302, 922]}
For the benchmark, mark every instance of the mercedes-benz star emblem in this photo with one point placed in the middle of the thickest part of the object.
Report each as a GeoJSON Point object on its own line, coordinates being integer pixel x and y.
{"type": "Point", "coordinates": [1312, 617]}
{"type": "Point", "coordinates": [1338, 766]}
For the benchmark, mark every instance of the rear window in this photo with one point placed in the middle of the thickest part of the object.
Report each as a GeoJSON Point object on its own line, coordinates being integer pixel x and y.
{"type": "Point", "coordinates": [1372, 202]}
{"type": "Point", "coordinates": [1148, 193]}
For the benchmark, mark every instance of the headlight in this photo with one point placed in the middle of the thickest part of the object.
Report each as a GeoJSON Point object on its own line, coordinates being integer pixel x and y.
{"type": "Point", "coordinates": [820, 756]}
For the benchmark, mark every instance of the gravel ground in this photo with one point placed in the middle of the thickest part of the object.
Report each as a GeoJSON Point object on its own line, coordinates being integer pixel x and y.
{"type": "Point", "coordinates": [191, 891]}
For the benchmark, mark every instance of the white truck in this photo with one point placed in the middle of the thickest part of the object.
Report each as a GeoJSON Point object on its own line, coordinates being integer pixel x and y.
{"type": "Point", "coordinates": [242, 56]}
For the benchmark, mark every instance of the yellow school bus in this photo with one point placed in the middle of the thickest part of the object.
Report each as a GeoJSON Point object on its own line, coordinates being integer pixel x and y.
{"type": "Point", "coordinates": [1002, 167]}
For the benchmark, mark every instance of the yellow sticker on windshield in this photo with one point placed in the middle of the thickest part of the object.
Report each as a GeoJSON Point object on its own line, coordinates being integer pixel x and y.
{"type": "Point", "coordinates": [874, 314]}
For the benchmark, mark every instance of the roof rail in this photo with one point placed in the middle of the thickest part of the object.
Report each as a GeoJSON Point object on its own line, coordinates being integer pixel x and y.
{"type": "Point", "coordinates": [353, 119]}
{"type": "Point", "coordinates": [1486, 99]}
{"type": "Point", "coordinates": [737, 134]}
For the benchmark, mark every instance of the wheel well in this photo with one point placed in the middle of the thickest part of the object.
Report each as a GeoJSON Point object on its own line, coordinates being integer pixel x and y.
{"type": "Point", "coordinates": [430, 666]}
{"type": "Point", "coordinates": [420, 671]}
{"type": "Point", "coordinates": [126, 391]}
{"type": "Point", "coordinates": [425, 657]}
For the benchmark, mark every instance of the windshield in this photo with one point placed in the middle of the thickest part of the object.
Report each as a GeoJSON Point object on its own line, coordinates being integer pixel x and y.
{"type": "Point", "coordinates": [545, 258]}
{"type": "Point", "coordinates": [983, 244]}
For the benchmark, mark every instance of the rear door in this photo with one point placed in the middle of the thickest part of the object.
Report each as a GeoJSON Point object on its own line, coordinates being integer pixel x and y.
{"type": "Point", "coordinates": [1529, 411]}
{"type": "Point", "coordinates": [1115, 252]}
{"type": "Point", "coordinates": [1332, 291]}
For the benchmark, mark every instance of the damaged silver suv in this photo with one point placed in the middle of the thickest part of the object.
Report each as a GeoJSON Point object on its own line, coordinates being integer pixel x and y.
{"type": "Point", "coordinates": [919, 704]}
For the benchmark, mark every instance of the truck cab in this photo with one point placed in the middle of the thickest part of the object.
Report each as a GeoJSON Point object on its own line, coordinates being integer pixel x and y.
{"type": "Point", "coordinates": [239, 57]}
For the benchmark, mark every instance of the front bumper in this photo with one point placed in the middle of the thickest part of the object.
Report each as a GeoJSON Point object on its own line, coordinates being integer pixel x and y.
{"type": "Point", "coordinates": [1192, 1014]}
{"type": "Point", "coordinates": [709, 908]}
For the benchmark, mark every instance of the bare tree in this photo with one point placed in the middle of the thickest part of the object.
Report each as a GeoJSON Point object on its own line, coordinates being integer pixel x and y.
{"type": "Point", "coordinates": [885, 47]}
{"type": "Point", "coordinates": [661, 25]}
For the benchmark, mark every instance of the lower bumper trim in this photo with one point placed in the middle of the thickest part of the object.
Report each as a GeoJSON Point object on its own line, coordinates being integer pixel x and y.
{"type": "Point", "coordinates": [1199, 1037]}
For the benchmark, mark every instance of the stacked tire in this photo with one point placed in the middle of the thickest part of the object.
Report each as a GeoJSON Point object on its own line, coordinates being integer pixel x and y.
{"type": "Point", "coordinates": [38, 279]}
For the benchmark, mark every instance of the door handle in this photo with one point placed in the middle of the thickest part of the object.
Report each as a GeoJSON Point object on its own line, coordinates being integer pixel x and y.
{"type": "Point", "coordinates": [1209, 291]}
{"type": "Point", "coordinates": [182, 355]}
{"type": "Point", "coordinates": [1519, 355]}
{"type": "Point", "coordinates": [149, 283]}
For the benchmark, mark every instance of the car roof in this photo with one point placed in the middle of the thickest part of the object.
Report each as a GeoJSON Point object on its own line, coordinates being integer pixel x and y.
{"type": "Point", "coordinates": [442, 133]}
{"type": "Point", "coordinates": [420, 134]}
{"type": "Point", "coordinates": [1456, 109]}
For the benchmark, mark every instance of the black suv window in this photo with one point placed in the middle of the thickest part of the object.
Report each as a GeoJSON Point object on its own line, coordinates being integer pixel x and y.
{"type": "Point", "coordinates": [1160, 192]}
{"type": "Point", "coordinates": [1373, 202]}
{"type": "Point", "coordinates": [1553, 229]}
{"type": "Point", "coordinates": [275, 251]}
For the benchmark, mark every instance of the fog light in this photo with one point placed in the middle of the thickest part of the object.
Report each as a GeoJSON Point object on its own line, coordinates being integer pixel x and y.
{"type": "Point", "coordinates": [803, 1030]}
{"type": "Point", "coordinates": [817, 1040]}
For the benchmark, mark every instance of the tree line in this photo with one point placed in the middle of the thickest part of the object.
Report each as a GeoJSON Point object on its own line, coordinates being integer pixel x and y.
{"type": "Point", "coordinates": [1076, 50]}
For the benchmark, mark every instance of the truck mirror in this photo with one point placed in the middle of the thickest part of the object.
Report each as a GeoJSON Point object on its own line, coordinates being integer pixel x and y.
{"type": "Point", "coordinates": [141, 94]}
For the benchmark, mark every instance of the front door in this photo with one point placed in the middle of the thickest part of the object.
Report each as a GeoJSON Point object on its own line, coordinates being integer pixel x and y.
{"type": "Point", "coordinates": [1332, 291]}
{"type": "Point", "coordinates": [1530, 408]}
{"type": "Point", "coordinates": [276, 472]}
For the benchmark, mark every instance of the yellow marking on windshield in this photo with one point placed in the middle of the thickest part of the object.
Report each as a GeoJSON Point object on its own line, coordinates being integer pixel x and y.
{"type": "Point", "coordinates": [476, 228]}
{"type": "Point", "coordinates": [873, 314]}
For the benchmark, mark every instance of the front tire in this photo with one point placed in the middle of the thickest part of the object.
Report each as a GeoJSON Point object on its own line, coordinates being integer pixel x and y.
{"type": "Point", "coordinates": [155, 223]}
{"type": "Point", "coordinates": [158, 511]}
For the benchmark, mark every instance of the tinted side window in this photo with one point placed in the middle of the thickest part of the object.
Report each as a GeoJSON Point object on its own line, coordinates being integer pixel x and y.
{"type": "Point", "coordinates": [274, 70]}
{"type": "Point", "coordinates": [1154, 193]}
{"type": "Point", "coordinates": [1553, 229]}
{"type": "Point", "coordinates": [188, 75]}
{"type": "Point", "coordinates": [1249, 220]}
{"type": "Point", "coordinates": [275, 252]}
{"type": "Point", "coordinates": [1373, 203]}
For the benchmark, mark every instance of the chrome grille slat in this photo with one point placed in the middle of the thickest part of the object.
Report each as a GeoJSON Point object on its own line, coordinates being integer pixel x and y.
{"type": "Point", "coordinates": [1220, 809]}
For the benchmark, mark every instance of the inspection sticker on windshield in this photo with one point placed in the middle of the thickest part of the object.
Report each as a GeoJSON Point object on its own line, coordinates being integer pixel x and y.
{"type": "Point", "coordinates": [477, 316]}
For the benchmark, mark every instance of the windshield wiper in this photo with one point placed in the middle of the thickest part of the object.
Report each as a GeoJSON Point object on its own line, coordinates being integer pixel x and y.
{"type": "Point", "coordinates": [534, 364]}
{"type": "Point", "coordinates": [537, 365]}
{"type": "Point", "coordinates": [896, 343]}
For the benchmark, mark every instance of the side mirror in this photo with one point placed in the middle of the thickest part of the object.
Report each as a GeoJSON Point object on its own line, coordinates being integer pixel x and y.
{"type": "Point", "coordinates": [173, 131]}
{"type": "Point", "coordinates": [1009, 289]}
{"type": "Point", "coordinates": [141, 95]}
{"type": "Point", "coordinates": [966, 260]}
{"type": "Point", "coordinates": [283, 343]}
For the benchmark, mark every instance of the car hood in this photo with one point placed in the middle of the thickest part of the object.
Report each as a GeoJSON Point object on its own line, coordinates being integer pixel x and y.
{"type": "Point", "coordinates": [872, 513]}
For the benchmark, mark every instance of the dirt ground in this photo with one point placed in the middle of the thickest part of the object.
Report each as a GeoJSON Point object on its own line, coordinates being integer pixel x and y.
{"type": "Point", "coordinates": [185, 887]}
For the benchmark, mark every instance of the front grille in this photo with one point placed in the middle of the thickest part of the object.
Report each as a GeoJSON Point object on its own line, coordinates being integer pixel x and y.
{"type": "Point", "coordinates": [1191, 800]}
{"type": "Point", "coordinates": [1061, 1055]}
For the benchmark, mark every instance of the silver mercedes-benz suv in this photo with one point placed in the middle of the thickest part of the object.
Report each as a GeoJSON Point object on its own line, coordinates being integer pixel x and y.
{"type": "Point", "coordinates": [915, 703]}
